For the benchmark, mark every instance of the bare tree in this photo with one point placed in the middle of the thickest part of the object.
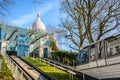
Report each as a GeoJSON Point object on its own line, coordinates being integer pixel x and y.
{"type": "Point", "coordinates": [4, 4]}
{"type": "Point", "coordinates": [89, 20]}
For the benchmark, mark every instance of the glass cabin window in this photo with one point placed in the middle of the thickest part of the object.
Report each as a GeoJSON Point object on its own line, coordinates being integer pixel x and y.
{"type": "Point", "coordinates": [83, 56]}
{"type": "Point", "coordinates": [111, 51]}
{"type": "Point", "coordinates": [117, 49]}
{"type": "Point", "coordinates": [92, 53]}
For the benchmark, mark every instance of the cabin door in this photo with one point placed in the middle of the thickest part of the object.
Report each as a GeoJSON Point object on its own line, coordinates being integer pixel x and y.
{"type": "Point", "coordinates": [45, 52]}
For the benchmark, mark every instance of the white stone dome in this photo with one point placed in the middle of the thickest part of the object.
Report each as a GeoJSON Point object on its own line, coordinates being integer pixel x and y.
{"type": "Point", "coordinates": [38, 25]}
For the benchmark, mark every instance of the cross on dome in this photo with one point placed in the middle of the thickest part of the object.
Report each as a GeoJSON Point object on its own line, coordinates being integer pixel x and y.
{"type": "Point", "coordinates": [38, 14]}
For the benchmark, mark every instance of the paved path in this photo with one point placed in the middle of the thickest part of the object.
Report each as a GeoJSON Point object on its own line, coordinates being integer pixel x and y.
{"type": "Point", "coordinates": [27, 68]}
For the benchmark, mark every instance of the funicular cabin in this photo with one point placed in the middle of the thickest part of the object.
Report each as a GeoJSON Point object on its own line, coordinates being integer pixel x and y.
{"type": "Point", "coordinates": [101, 53]}
{"type": "Point", "coordinates": [101, 59]}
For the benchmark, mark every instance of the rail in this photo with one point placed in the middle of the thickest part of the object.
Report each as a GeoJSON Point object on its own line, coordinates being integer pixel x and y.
{"type": "Point", "coordinates": [37, 69]}
{"type": "Point", "coordinates": [69, 69]}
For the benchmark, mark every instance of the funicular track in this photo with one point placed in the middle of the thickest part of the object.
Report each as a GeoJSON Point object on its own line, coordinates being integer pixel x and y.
{"type": "Point", "coordinates": [37, 69]}
{"type": "Point", "coordinates": [32, 67]}
{"type": "Point", "coordinates": [68, 69]}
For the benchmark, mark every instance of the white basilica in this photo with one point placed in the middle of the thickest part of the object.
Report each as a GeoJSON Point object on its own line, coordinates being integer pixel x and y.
{"type": "Point", "coordinates": [26, 42]}
{"type": "Point", "coordinates": [44, 42]}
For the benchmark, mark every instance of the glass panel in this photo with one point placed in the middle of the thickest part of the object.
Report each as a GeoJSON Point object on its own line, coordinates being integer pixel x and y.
{"type": "Point", "coordinates": [117, 49]}
{"type": "Point", "coordinates": [45, 52]}
{"type": "Point", "coordinates": [83, 56]}
{"type": "Point", "coordinates": [23, 50]}
{"type": "Point", "coordinates": [47, 43]}
{"type": "Point", "coordinates": [92, 53]}
{"type": "Point", "coordinates": [111, 51]}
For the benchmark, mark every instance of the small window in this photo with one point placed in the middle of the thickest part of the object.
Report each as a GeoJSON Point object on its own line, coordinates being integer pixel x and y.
{"type": "Point", "coordinates": [117, 49]}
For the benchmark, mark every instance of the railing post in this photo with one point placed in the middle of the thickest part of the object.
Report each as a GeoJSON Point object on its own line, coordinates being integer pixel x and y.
{"type": "Point", "coordinates": [105, 51]}
{"type": "Point", "coordinates": [83, 76]}
{"type": "Point", "coordinates": [16, 73]}
{"type": "Point", "coordinates": [10, 64]}
{"type": "Point", "coordinates": [21, 77]}
{"type": "Point", "coordinates": [12, 67]}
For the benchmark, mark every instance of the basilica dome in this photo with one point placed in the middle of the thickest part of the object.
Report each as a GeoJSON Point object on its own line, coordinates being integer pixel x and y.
{"type": "Point", "coordinates": [38, 25]}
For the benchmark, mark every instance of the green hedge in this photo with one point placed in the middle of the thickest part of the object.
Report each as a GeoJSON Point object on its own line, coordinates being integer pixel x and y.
{"type": "Point", "coordinates": [64, 56]}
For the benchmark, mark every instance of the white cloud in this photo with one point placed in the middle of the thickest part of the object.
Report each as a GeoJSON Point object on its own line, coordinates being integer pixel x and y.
{"type": "Point", "coordinates": [23, 20]}
{"type": "Point", "coordinates": [43, 9]}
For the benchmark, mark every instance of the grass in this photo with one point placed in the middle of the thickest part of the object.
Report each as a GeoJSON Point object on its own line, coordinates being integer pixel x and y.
{"type": "Point", "coordinates": [54, 72]}
{"type": "Point", "coordinates": [5, 73]}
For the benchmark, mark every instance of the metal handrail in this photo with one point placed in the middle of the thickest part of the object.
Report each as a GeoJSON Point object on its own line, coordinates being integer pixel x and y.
{"type": "Point", "coordinates": [79, 74]}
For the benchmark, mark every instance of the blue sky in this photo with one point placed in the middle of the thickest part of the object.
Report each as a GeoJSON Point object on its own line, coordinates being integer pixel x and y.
{"type": "Point", "coordinates": [23, 12]}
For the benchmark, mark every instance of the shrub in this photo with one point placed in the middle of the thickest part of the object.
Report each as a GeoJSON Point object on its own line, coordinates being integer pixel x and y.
{"type": "Point", "coordinates": [64, 56]}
